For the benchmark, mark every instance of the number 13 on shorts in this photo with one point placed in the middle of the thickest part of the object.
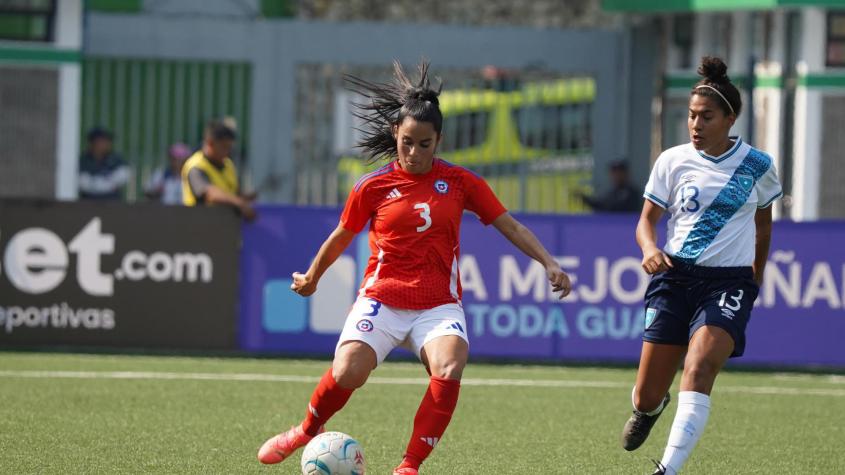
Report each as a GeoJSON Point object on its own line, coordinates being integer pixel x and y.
{"type": "Point", "coordinates": [736, 298]}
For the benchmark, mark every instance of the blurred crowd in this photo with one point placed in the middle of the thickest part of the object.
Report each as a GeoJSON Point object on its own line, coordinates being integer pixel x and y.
{"type": "Point", "coordinates": [202, 176]}
{"type": "Point", "coordinates": [207, 176]}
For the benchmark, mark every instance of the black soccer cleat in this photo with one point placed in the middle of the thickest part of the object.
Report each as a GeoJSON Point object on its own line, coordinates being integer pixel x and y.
{"type": "Point", "coordinates": [637, 428]}
{"type": "Point", "coordinates": [659, 469]}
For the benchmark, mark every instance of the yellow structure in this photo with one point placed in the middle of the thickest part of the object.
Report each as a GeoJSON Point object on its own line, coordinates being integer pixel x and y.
{"type": "Point", "coordinates": [533, 145]}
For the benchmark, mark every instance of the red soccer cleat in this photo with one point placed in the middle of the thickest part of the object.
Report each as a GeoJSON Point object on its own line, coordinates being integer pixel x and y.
{"type": "Point", "coordinates": [406, 468]}
{"type": "Point", "coordinates": [280, 447]}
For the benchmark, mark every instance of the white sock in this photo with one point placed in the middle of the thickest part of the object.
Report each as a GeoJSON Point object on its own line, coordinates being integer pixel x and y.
{"type": "Point", "coordinates": [651, 413]}
{"type": "Point", "coordinates": [693, 410]}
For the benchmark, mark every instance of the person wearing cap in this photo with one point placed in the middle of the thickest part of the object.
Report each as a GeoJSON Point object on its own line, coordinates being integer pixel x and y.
{"type": "Point", "coordinates": [209, 176]}
{"type": "Point", "coordinates": [102, 173]}
{"type": "Point", "coordinates": [622, 197]}
{"type": "Point", "coordinates": [165, 184]}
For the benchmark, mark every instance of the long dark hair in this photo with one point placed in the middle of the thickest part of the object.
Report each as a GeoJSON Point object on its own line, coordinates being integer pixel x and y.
{"type": "Point", "coordinates": [714, 74]}
{"type": "Point", "coordinates": [387, 104]}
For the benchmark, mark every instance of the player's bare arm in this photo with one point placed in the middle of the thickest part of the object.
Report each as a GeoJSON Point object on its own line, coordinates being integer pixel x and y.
{"type": "Point", "coordinates": [217, 195]}
{"type": "Point", "coordinates": [654, 259]}
{"type": "Point", "coordinates": [334, 245]}
{"type": "Point", "coordinates": [527, 242]}
{"type": "Point", "coordinates": [763, 223]}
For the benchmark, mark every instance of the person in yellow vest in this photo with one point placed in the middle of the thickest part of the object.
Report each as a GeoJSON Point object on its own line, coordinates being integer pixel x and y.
{"type": "Point", "coordinates": [209, 176]}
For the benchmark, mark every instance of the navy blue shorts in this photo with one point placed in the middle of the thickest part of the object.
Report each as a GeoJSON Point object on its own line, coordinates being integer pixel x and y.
{"type": "Point", "coordinates": [683, 299]}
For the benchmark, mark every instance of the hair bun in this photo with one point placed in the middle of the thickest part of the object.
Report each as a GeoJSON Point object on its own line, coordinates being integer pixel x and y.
{"type": "Point", "coordinates": [714, 69]}
{"type": "Point", "coordinates": [424, 94]}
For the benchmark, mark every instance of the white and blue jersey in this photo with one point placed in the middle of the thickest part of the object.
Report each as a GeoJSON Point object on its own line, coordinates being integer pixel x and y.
{"type": "Point", "coordinates": [712, 202]}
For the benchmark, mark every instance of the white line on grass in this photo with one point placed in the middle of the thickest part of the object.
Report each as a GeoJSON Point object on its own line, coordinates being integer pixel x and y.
{"type": "Point", "coordinates": [289, 378]}
{"type": "Point", "coordinates": [828, 378]}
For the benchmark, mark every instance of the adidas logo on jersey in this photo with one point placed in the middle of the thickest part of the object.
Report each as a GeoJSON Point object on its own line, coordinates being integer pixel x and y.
{"type": "Point", "coordinates": [432, 441]}
{"type": "Point", "coordinates": [394, 193]}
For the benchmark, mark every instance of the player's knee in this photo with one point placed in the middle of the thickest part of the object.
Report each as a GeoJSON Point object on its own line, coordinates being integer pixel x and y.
{"type": "Point", "coordinates": [450, 368]}
{"type": "Point", "coordinates": [349, 375]}
{"type": "Point", "coordinates": [352, 365]}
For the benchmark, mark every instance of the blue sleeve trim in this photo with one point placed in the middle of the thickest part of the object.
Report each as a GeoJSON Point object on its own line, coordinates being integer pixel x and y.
{"type": "Point", "coordinates": [656, 200]}
{"type": "Point", "coordinates": [381, 171]}
{"type": "Point", "coordinates": [771, 200]}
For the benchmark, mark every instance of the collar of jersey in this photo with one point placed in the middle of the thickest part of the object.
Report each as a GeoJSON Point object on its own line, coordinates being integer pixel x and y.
{"type": "Point", "coordinates": [414, 176]}
{"type": "Point", "coordinates": [726, 155]}
{"type": "Point", "coordinates": [215, 165]}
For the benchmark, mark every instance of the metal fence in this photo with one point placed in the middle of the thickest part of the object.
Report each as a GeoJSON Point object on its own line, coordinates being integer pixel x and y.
{"type": "Point", "coordinates": [29, 105]}
{"type": "Point", "coordinates": [528, 132]}
{"type": "Point", "coordinates": [831, 191]}
{"type": "Point", "coordinates": [152, 103]}
{"type": "Point", "coordinates": [536, 156]}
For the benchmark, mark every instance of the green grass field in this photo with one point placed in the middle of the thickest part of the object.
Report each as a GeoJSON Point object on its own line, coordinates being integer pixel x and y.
{"type": "Point", "coordinates": [66, 413]}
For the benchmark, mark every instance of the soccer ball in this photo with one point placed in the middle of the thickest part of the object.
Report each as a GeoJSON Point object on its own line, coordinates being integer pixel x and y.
{"type": "Point", "coordinates": [333, 453]}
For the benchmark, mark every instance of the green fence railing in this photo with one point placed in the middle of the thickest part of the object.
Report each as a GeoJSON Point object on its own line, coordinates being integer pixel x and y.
{"type": "Point", "coordinates": [152, 103]}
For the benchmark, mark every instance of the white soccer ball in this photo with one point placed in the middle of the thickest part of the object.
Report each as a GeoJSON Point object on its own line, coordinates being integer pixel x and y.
{"type": "Point", "coordinates": [333, 453]}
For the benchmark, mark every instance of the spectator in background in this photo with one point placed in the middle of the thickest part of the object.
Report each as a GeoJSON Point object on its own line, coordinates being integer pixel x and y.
{"type": "Point", "coordinates": [102, 173]}
{"type": "Point", "coordinates": [209, 176]}
{"type": "Point", "coordinates": [622, 198]}
{"type": "Point", "coordinates": [165, 185]}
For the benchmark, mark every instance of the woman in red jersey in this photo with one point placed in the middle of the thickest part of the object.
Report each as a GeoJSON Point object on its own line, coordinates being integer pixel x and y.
{"type": "Point", "coordinates": [411, 294]}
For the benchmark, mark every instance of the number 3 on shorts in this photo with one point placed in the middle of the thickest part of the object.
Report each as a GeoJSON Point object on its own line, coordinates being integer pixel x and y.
{"type": "Point", "coordinates": [374, 306]}
{"type": "Point", "coordinates": [425, 214]}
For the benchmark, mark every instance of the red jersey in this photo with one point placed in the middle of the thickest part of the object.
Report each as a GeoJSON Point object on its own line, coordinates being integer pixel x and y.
{"type": "Point", "coordinates": [415, 223]}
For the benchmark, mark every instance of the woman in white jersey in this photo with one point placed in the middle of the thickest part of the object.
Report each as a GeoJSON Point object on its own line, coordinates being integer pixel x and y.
{"type": "Point", "coordinates": [718, 192]}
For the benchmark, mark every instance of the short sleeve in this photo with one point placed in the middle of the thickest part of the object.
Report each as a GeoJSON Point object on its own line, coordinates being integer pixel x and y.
{"type": "Point", "coordinates": [357, 210]}
{"type": "Point", "coordinates": [481, 200]}
{"type": "Point", "coordinates": [657, 190]}
{"type": "Point", "coordinates": [199, 182]}
{"type": "Point", "coordinates": [768, 188]}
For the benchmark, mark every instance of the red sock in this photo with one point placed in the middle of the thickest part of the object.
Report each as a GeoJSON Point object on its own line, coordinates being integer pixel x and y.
{"type": "Point", "coordinates": [431, 420]}
{"type": "Point", "coordinates": [328, 398]}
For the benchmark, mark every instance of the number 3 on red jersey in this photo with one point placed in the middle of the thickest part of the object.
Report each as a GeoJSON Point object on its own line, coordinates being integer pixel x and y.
{"type": "Point", "coordinates": [425, 214]}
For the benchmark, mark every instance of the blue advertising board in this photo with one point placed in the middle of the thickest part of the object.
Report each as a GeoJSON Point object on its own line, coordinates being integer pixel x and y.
{"type": "Point", "coordinates": [510, 309]}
